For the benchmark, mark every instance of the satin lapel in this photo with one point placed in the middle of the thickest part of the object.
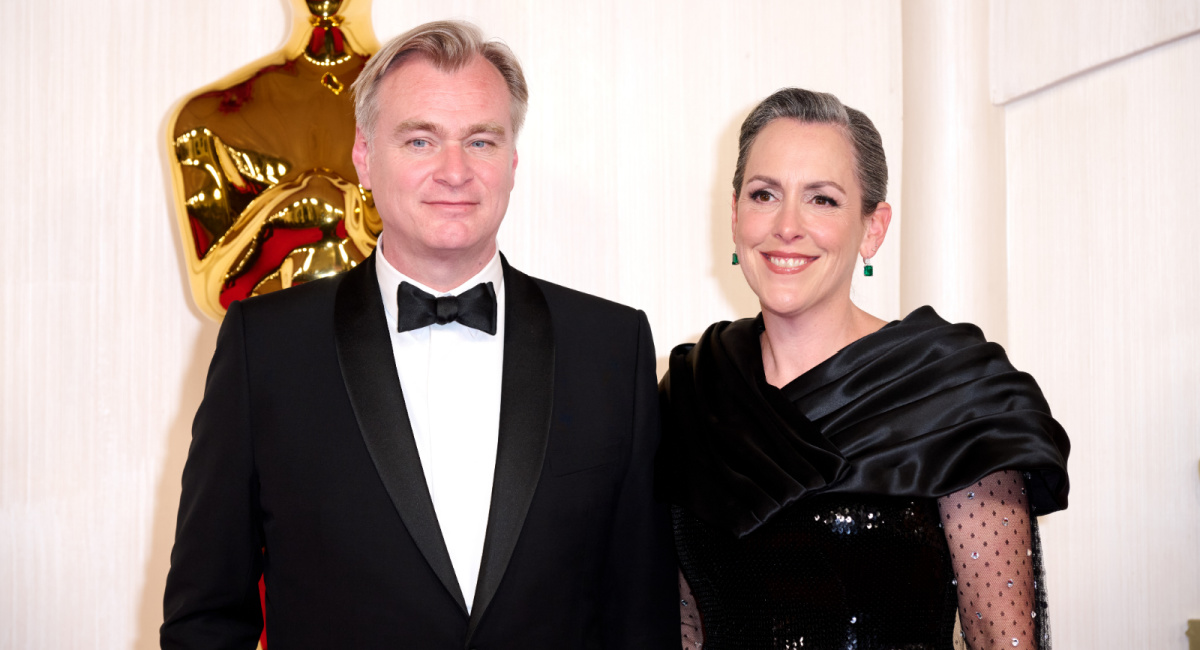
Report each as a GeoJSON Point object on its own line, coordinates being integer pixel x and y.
{"type": "Point", "coordinates": [369, 371]}
{"type": "Point", "coordinates": [526, 401]}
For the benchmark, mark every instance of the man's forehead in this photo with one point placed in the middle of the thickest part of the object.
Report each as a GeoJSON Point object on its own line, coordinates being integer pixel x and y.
{"type": "Point", "coordinates": [417, 67]}
{"type": "Point", "coordinates": [474, 99]}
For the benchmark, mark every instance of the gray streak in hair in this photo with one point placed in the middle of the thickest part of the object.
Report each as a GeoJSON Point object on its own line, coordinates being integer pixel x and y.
{"type": "Point", "coordinates": [811, 107]}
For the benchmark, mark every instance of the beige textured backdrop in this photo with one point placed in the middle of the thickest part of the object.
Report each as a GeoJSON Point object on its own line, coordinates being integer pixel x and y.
{"type": "Point", "coordinates": [622, 190]}
{"type": "Point", "coordinates": [1103, 225]}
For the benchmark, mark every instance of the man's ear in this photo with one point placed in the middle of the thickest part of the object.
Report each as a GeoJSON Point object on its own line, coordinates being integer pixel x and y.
{"type": "Point", "coordinates": [876, 230]}
{"type": "Point", "coordinates": [359, 155]}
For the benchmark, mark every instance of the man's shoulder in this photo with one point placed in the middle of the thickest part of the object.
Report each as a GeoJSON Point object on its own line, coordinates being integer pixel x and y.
{"type": "Point", "coordinates": [559, 297]}
{"type": "Point", "coordinates": [588, 329]}
{"type": "Point", "coordinates": [296, 305]}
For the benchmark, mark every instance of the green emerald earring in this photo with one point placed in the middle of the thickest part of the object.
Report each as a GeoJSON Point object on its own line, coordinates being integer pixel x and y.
{"type": "Point", "coordinates": [735, 262]}
{"type": "Point", "coordinates": [868, 270]}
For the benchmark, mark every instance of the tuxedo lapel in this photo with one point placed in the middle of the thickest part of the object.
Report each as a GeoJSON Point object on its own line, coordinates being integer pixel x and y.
{"type": "Point", "coordinates": [369, 372]}
{"type": "Point", "coordinates": [526, 402]}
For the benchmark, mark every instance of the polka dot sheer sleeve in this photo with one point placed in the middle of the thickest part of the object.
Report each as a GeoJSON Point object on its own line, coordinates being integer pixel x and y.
{"type": "Point", "coordinates": [993, 544]}
{"type": "Point", "coordinates": [690, 632]}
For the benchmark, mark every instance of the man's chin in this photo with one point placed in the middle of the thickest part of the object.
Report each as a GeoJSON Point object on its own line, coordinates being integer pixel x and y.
{"type": "Point", "coordinates": [451, 209]}
{"type": "Point", "coordinates": [463, 250]}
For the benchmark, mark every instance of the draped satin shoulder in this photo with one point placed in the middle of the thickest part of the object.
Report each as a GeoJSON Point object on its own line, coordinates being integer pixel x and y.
{"type": "Point", "coordinates": [920, 408]}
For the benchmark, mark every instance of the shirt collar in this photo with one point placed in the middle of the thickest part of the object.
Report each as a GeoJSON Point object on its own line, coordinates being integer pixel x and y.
{"type": "Point", "coordinates": [390, 279]}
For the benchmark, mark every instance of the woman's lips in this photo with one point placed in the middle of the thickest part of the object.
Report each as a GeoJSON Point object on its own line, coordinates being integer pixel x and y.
{"type": "Point", "coordinates": [787, 263]}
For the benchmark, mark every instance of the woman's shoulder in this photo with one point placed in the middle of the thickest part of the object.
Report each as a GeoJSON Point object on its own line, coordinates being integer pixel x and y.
{"type": "Point", "coordinates": [723, 333]}
{"type": "Point", "coordinates": [926, 319]}
{"type": "Point", "coordinates": [922, 332]}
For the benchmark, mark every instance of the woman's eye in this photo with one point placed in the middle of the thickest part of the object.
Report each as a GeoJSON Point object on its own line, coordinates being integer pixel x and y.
{"type": "Point", "coordinates": [760, 196]}
{"type": "Point", "coordinates": [825, 200]}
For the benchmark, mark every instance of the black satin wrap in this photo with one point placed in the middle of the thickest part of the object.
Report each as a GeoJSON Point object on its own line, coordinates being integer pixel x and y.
{"type": "Point", "coordinates": [920, 408]}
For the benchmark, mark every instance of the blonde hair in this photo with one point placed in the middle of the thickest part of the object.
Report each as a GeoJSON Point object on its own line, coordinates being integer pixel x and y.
{"type": "Point", "coordinates": [448, 45]}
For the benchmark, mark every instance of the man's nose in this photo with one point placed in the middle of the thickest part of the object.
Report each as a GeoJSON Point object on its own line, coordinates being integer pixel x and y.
{"type": "Point", "coordinates": [453, 169]}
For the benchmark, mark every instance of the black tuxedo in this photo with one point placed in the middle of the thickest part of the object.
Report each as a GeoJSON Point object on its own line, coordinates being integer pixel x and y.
{"type": "Point", "coordinates": [303, 469]}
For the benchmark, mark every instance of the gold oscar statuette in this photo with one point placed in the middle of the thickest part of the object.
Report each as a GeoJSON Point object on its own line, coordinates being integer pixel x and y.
{"type": "Point", "coordinates": [265, 192]}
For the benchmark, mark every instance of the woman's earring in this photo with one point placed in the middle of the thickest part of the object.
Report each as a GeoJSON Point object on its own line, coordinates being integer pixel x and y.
{"type": "Point", "coordinates": [735, 262]}
{"type": "Point", "coordinates": [868, 270]}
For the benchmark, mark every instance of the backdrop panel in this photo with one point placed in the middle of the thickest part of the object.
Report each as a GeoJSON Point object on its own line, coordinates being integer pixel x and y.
{"type": "Point", "coordinates": [1102, 310]}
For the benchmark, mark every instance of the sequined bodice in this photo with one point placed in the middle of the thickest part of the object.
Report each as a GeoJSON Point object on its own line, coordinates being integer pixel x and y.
{"type": "Point", "coordinates": [841, 571]}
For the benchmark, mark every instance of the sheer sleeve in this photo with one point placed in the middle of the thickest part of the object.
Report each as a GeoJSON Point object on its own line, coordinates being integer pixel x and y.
{"type": "Point", "coordinates": [992, 545]}
{"type": "Point", "coordinates": [690, 631]}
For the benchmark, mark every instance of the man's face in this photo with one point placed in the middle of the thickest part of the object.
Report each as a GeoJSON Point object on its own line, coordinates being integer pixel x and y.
{"type": "Point", "coordinates": [440, 165]}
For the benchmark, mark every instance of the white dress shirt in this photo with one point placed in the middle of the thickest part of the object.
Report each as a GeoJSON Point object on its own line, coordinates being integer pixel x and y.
{"type": "Point", "coordinates": [451, 376]}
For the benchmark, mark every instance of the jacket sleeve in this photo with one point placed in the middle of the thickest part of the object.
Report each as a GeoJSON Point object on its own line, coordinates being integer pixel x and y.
{"type": "Point", "coordinates": [212, 598]}
{"type": "Point", "coordinates": [641, 610]}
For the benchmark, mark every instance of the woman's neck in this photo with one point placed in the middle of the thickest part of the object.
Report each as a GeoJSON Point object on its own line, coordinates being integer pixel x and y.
{"type": "Point", "coordinates": [793, 345]}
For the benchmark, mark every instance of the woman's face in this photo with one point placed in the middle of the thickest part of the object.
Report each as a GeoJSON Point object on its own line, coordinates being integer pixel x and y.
{"type": "Point", "coordinates": [798, 225]}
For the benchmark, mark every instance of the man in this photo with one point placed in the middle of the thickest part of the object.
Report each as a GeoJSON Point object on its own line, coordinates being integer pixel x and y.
{"type": "Point", "coordinates": [408, 471]}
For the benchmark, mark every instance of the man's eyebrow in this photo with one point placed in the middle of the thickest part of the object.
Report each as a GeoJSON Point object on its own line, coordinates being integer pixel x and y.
{"type": "Point", "coordinates": [408, 126]}
{"type": "Point", "coordinates": [488, 127]}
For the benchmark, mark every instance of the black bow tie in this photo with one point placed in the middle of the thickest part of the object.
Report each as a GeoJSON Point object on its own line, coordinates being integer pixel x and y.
{"type": "Point", "coordinates": [475, 308]}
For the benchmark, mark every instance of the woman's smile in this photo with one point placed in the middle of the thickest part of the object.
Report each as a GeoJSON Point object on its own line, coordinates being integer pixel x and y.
{"type": "Point", "coordinates": [787, 263]}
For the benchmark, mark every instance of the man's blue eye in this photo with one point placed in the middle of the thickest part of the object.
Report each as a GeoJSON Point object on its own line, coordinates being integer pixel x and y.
{"type": "Point", "coordinates": [419, 143]}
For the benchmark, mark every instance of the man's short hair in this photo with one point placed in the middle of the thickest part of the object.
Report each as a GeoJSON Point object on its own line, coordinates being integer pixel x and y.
{"type": "Point", "coordinates": [449, 45]}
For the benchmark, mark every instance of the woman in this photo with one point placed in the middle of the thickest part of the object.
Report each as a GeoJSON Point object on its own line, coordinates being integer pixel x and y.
{"type": "Point", "coordinates": [839, 481]}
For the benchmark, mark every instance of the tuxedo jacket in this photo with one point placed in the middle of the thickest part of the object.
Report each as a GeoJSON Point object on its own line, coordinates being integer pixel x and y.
{"type": "Point", "coordinates": [303, 469]}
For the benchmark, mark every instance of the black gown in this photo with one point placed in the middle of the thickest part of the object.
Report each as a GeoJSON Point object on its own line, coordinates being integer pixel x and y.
{"type": "Point", "coordinates": [807, 516]}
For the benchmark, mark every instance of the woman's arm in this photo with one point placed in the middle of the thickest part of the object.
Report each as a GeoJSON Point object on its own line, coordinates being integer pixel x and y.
{"type": "Point", "coordinates": [690, 631]}
{"type": "Point", "coordinates": [990, 536]}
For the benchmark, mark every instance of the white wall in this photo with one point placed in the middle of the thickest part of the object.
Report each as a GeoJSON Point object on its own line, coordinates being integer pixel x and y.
{"type": "Point", "coordinates": [1035, 43]}
{"type": "Point", "coordinates": [1103, 225]}
{"type": "Point", "coordinates": [622, 190]}
{"type": "Point", "coordinates": [1103, 154]}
